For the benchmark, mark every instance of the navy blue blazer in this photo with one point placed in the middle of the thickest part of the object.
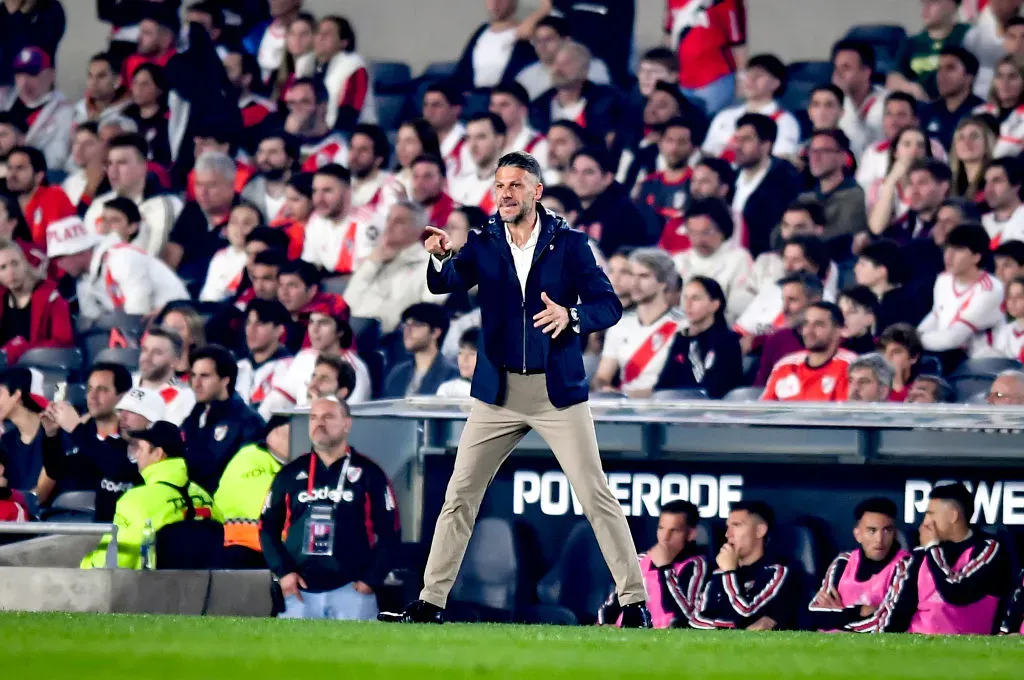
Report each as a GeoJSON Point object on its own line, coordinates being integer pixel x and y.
{"type": "Point", "coordinates": [563, 267]}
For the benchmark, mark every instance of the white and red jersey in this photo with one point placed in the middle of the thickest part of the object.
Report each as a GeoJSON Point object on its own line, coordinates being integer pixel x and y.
{"type": "Point", "coordinates": [159, 213]}
{"type": "Point", "coordinates": [532, 142]}
{"type": "Point", "coordinates": [348, 84]}
{"type": "Point", "coordinates": [179, 399]}
{"type": "Point", "coordinates": [731, 266]}
{"type": "Point", "coordinates": [962, 314]}
{"type": "Point", "coordinates": [291, 377]}
{"type": "Point", "coordinates": [125, 278]}
{"type": "Point", "coordinates": [793, 379]}
{"type": "Point", "coordinates": [1004, 231]}
{"type": "Point", "coordinates": [340, 246]}
{"type": "Point", "coordinates": [703, 33]}
{"type": "Point", "coordinates": [271, 50]}
{"type": "Point", "coordinates": [331, 148]}
{"type": "Point", "coordinates": [1011, 130]}
{"type": "Point", "coordinates": [719, 140]}
{"type": "Point", "coordinates": [378, 193]}
{"type": "Point", "coordinates": [254, 383]}
{"type": "Point", "coordinates": [863, 124]}
{"type": "Point", "coordinates": [455, 152]}
{"type": "Point", "coordinates": [873, 165]}
{"type": "Point", "coordinates": [639, 350]}
{"type": "Point", "coordinates": [764, 315]}
{"type": "Point", "coordinates": [900, 199]}
{"type": "Point", "coordinates": [224, 274]}
{"type": "Point", "coordinates": [1008, 340]}
{"type": "Point", "coordinates": [255, 109]}
{"type": "Point", "coordinates": [472, 189]}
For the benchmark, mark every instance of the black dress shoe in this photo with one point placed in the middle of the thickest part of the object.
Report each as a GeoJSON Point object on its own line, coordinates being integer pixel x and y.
{"type": "Point", "coordinates": [422, 612]}
{"type": "Point", "coordinates": [636, 616]}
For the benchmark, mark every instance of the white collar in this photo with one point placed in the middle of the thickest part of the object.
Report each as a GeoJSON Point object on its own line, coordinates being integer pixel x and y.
{"type": "Point", "coordinates": [530, 242]}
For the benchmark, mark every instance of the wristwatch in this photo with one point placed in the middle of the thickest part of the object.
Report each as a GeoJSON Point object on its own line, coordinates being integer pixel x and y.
{"type": "Point", "coordinates": [574, 319]}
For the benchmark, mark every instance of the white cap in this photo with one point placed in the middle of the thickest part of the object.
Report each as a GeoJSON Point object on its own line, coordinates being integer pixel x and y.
{"type": "Point", "coordinates": [69, 236]}
{"type": "Point", "coordinates": [36, 391]}
{"type": "Point", "coordinates": [146, 403]}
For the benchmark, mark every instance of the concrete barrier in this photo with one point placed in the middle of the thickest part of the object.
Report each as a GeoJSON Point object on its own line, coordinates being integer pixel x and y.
{"type": "Point", "coordinates": [48, 551]}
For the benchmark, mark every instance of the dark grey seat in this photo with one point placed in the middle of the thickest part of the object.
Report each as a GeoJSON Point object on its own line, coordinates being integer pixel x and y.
{"type": "Point", "coordinates": [486, 586]}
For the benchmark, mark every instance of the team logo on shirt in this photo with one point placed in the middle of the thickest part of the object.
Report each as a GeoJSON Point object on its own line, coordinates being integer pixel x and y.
{"type": "Point", "coordinates": [828, 383]}
{"type": "Point", "coordinates": [787, 387]}
{"type": "Point", "coordinates": [354, 474]}
{"type": "Point", "coordinates": [220, 432]}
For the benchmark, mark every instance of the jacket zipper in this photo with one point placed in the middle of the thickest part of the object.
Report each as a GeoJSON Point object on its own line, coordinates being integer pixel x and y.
{"type": "Point", "coordinates": [524, 335]}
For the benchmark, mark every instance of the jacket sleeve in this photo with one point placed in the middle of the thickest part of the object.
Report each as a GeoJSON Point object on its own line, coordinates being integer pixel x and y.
{"type": "Point", "coordinates": [726, 371]}
{"type": "Point", "coordinates": [600, 307]}
{"type": "Point", "coordinates": [986, 573]}
{"type": "Point", "coordinates": [54, 461]}
{"type": "Point", "coordinates": [832, 619]}
{"type": "Point", "coordinates": [458, 272]}
{"type": "Point", "coordinates": [60, 330]}
{"type": "Point", "coordinates": [383, 511]}
{"type": "Point", "coordinates": [352, 100]}
{"type": "Point", "coordinates": [1013, 622]}
{"type": "Point", "coordinates": [684, 591]}
{"type": "Point", "coordinates": [134, 281]}
{"type": "Point", "coordinates": [272, 519]}
{"type": "Point", "coordinates": [742, 607]}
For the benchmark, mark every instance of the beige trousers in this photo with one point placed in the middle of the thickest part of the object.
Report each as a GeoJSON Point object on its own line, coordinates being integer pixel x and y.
{"type": "Point", "coordinates": [489, 437]}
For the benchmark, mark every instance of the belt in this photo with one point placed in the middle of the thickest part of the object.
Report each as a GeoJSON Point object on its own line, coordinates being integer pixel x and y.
{"type": "Point", "coordinates": [519, 371]}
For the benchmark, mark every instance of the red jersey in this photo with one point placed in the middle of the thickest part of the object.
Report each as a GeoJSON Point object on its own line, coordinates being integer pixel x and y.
{"type": "Point", "coordinates": [704, 33]}
{"type": "Point", "coordinates": [134, 61]}
{"type": "Point", "coordinates": [669, 198]}
{"type": "Point", "coordinates": [243, 173]}
{"type": "Point", "coordinates": [441, 211]}
{"type": "Point", "coordinates": [47, 205]}
{"type": "Point", "coordinates": [255, 109]}
{"type": "Point", "coordinates": [296, 235]}
{"type": "Point", "coordinates": [793, 380]}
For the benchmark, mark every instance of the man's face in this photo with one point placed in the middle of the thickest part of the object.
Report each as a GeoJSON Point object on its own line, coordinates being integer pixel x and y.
{"type": "Point", "coordinates": [10, 137]}
{"type": "Point", "coordinates": [936, 13]}
{"type": "Point", "coordinates": [362, 160]}
{"type": "Point", "coordinates": [153, 38]}
{"type": "Point", "coordinates": [100, 80]}
{"type": "Point", "coordinates": [562, 144]}
{"type": "Point", "coordinates": [674, 533]}
{"type": "Point", "coordinates": [500, 10]}
{"type": "Point", "coordinates": [750, 150]}
{"type": "Point", "coordinates": [13, 268]}
{"type": "Point", "coordinates": [297, 206]}
{"type": "Point", "coordinates": [144, 453]}
{"type": "Point", "coordinates": [1015, 300]}
{"type": "Point", "coordinates": [100, 394]}
{"type": "Point", "coordinates": [115, 221]}
{"type": "Point", "coordinates": [897, 115]}
{"type": "Point", "coordinates": [999, 193]}
{"type": "Point", "coordinates": [951, 78]}
{"type": "Point", "coordinates": [301, 103]}
{"type": "Point", "coordinates": [660, 108]}
{"type": "Point", "coordinates": [947, 218]}
{"type": "Point", "coordinates": [86, 148]}
{"type": "Point", "coordinates": [819, 332]}
{"type": "Point", "coordinates": [21, 178]}
{"type": "Point", "coordinates": [859, 320]}
{"type": "Point", "coordinates": [126, 170]}
{"type": "Point", "coordinates": [418, 336]}
{"type": "Point", "coordinates": [207, 385]}
{"type": "Point", "coordinates": [293, 293]}
{"type": "Point", "coordinates": [271, 156]}
{"type": "Point", "coordinates": [427, 183]}
{"type": "Point", "coordinates": [508, 108]}
{"type": "Point", "coordinates": [798, 223]}
{"type": "Point", "coordinates": [899, 357]}
{"type": "Point", "coordinates": [32, 88]}
{"type": "Point", "coordinates": [942, 518]}
{"type": "Point", "coordinates": [923, 391]}
{"type": "Point", "coordinates": [328, 425]}
{"type": "Point", "coordinates": [1013, 40]}
{"type": "Point", "coordinates": [794, 260]}
{"type": "Point", "coordinates": [233, 68]}
{"type": "Point", "coordinates": [705, 238]}
{"type": "Point", "coordinates": [323, 332]}
{"type": "Point", "coordinates": [1006, 391]}
{"type": "Point", "coordinates": [516, 192]}
{"type": "Point", "coordinates": [327, 41]}
{"type": "Point", "coordinates": [466, 360]}
{"type": "Point", "coordinates": [675, 146]}
{"type": "Point", "coordinates": [794, 302]}
{"type": "Point", "coordinates": [323, 383]}
{"type": "Point", "coordinates": [925, 194]}
{"type": "Point", "coordinates": [568, 70]}
{"type": "Point", "coordinates": [76, 264]}
{"type": "Point", "coordinates": [587, 178]}
{"type": "Point", "coordinates": [824, 110]}
{"type": "Point", "coordinates": [650, 73]}
{"type": "Point", "coordinates": [484, 144]}
{"type": "Point", "coordinates": [876, 534]}
{"type": "Point", "coordinates": [264, 281]}
{"type": "Point", "coordinates": [547, 42]}
{"type": "Point", "coordinates": [331, 197]}
{"type": "Point", "coordinates": [438, 112]}
{"type": "Point", "coordinates": [214, 192]}
{"type": "Point", "coordinates": [260, 336]}
{"type": "Point", "coordinates": [620, 273]}
{"type": "Point", "coordinates": [848, 72]}
{"type": "Point", "coordinates": [826, 157]}
{"type": "Point", "coordinates": [706, 184]}
{"type": "Point", "coordinates": [960, 262]}
{"type": "Point", "coordinates": [646, 287]}
{"type": "Point", "coordinates": [128, 421]}
{"type": "Point", "coordinates": [400, 229]}
{"type": "Point", "coordinates": [759, 84]}
{"type": "Point", "coordinates": [865, 387]}
{"type": "Point", "coordinates": [745, 532]}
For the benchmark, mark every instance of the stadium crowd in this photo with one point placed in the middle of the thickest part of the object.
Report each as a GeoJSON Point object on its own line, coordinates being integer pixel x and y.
{"type": "Point", "coordinates": [204, 252]}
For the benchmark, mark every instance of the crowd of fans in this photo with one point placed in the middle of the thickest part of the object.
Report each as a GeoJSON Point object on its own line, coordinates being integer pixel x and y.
{"type": "Point", "coordinates": [229, 223]}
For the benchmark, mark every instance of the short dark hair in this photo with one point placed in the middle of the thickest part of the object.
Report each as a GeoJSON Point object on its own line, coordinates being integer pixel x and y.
{"type": "Point", "coordinates": [319, 91]}
{"type": "Point", "coordinates": [814, 209]}
{"type": "Point", "coordinates": [433, 160]}
{"type": "Point", "coordinates": [865, 51]}
{"type": "Point", "coordinates": [270, 258]}
{"type": "Point", "coordinates": [764, 127]}
{"type": "Point", "coordinates": [1011, 249]}
{"type": "Point", "coordinates": [209, 7]}
{"type": "Point", "coordinates": [306, 271]}
{"type": "Point", "coordinates": [939, 171]}
{"type": "Point", "coordinates": [523, 161]}
{"type": "Point", "coordinates": [470, 338]}
{"type": "Point", "coordinates": [429, 313]}
{"type": "Point", "coordinates": [345, 30]}
{"type": "Point", "coordinates": [130, 140]}
{"type": "Point", "coordinates": [722, 168]}
{"type": "Point", "coordinates": [833, 310]}
{"type": "Point", "coordinates": [338, 172]}
{"type": "Point", "coordinates": [292, 146]}
{"type": "Point", "coordinates": [346, 372]}
{"type": "Point", "coordinates": [885, 253]}
{"type": "Point", "coordinates": [902, 334]}
{"type": "Point", "coordinates": [556, 23]}
{"type": "Point", "coordinates": [564, 195]}
{"type": "Point", "coordinates": [512, 89]}
{"type": "Point", "coordinates": [274, 238]}
{"type": "Point", "coordinates": [964, 56]}
{"type": "Point", "coordinates": [105, 57]}
{"type": "Point", "coordinates": [684, 508]}
{"type": "Point", "coordinates": [715, 210]}
{"type": "Point", "coordinates": [879, 505]}
{"type": "Point", "coordinates": [126, 207]}
{"type": "Point", "coordinates": [35, 157]}
{"type": "Point", "coordinates": [1011, 166]}
{"type": "Point", "coordinates": [955, 493]}
{"type": "Point", "coordinates": [598, 154]}
{"type": "Point", "coordinates": [302, 182]}
{"type": "Point", "coordinates": [902, 97]}
{"type": "Point", "coordinates": [381, 145]}
{"type": "Point", "coordinates": [497, 124]}
{"type": "Point", "coordinates": [836, 135]}
{"type": "Point", "coordinates": [832, 90]}
{"type": "Point", "coordinates": [696, 128]}
{"type": "Point", "coordinates": [973, 237]}
{"type": "Point", "coordinates": [759, 509]}
{"type": "Point", "coordinates": [223, 362]}
{"type": "Point", "coordinates": [862, 297]}
{"type": "Point", "coordinates": [122, 376]}
{"type": "Point", "coordinates": [944, 392]}
{"type": "Point", "coordinates": [662, 56]}
{"type": "Point", "coordinates": [815, 250]}
{"type": "Point", "coordinates": [811, 284]}
{"type": "Point", "coordinates": [268, 311]}
{"type": "Point", "coordinates": [448, 89]}
{"type": "Point", "coordinates": [171, 336]}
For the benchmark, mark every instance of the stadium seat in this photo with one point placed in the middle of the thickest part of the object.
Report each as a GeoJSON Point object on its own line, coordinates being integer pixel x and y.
{"type": "Point", "coordinates": [679, 395]}
{"type": "Point", "coordinates": [366, 332]}
{"type": "Point", "coordinates": [126, 356]}
{"type": "Point", "coordinates": [390, 77]}
{"type": "Point", "coordinates": [75, 396]}
{"type": "Point", "coordinates": [801, 78]}
{"type": "Point", "coordinates": [988, 366]}
{"type": "Point", "coordinates": [376, 364]}
{"type": "Point", "coordinates": [53, 361]}
{"type": "Point", "coordinates": [476, 102]}
{"type": "Point", "coordinates": [885, 38]}
{"type": "Point", "coordinates": [126, 323]}
{"type": "Point", "coordinates": [744, 394]}
{"type": "Point", "coordinates": [335, 284]}
{"type": "Point", "coordinates": [967, 386]}
{"type": "Point", "coordinates": [194, 544]}
{"type": "Point", "coordinates": [72, 506]}
{"type": "Point", "coordinates": [439, 70]}
{"type": "Point", "coordinates": [580, 581]}
{"type": "Point", "coordinates": [391, 111]}
{"type": "Point", "coordinates": [485, 589]}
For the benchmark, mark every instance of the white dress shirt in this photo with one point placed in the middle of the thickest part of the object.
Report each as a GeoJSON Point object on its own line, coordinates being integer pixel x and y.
{"type": "Point", "coordinates": [522, 258]}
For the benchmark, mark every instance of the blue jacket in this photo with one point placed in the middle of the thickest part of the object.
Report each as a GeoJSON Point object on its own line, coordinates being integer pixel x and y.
{"type": "Point", "coordinates": [399, 377]}
{"type": "Point", "coordinates": [565, 269]}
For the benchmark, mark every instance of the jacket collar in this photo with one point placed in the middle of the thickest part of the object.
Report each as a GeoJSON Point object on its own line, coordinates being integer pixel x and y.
{"type": "Point", "coordinates": [548, 224]}
{"type": "Point", "coordinates": [172, 470]}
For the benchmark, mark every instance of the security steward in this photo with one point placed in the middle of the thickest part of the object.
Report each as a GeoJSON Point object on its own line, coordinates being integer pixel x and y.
{"type": "Point", "coordinates": [330, 524]}
{"type": "Point", "coordinates": [163, 499]}
{"type": "Point", "coordinates": [243, 490]}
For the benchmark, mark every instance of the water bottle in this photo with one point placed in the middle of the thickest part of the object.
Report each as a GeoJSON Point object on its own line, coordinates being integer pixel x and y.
{"type": "Point", "coordinates": [148, 548]}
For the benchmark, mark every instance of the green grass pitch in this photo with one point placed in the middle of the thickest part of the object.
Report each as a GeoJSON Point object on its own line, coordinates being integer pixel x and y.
{"type": "Point", "coordinates": [83, 646]}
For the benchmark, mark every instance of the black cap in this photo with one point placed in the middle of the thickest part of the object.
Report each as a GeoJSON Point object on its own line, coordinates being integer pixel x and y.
{"type": "Point", "coordinates": [274, 423]}
{"type": "Point", "coordinates": [163, 435]}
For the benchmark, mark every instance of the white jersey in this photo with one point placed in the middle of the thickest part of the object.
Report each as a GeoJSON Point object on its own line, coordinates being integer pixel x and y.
{"type": "Point", "coordinates": [224, 274]}
{"type": "Point", "coordinates": [536, 78]}
{"type": "Point", "coordinates": [640, 351]}
{"type": "Point", "coordinates": [764, 315]}
{"type": "Point", "coordinates": [342, 86]}
{"type": "Point", "coordinates": [332, 148]}
{"type": "Point", "coordinates": [122, 277]}
{"type": "Point", "coordinates": [377, 194]}
{"type": "Point", "coordinates": [873, 165]}
{"type": "Point", "coordinates": [340, 246]}
{"type": "Point", "coordinates": [455, 152]}
{"type": "Point", "coordinates": [454, 388]}
{"type": "Point", "coordinates": [474, 190]}
{"type": "Point", "coordinates": [863, 124]}
{"type": "Point", "coordinates": [532, 142]}
{"type": "Point", "coordinates": [271, 50]}
{"type": "Point", "coordinates": [1011, 130]}
{"type": "Point", "coordinates": [254, 382]}
{"type": "Point", "coordinates": [1011, 229]}
{"type": "Point", "coordinates": [158, 216]}
{"type": "Point", "coordinates": [731, 266]}
{"type": "Point", "coordinates": [719, 140]}
{"type": "Point", "coordinates": [291, 377]}
{"type": "Point", "coordinates": [74, 186]}
{"type": "Point", "coordinates": [962, 314]}
{"type": "Point", "coordinates": [1008, 340]}
{"type": "Point", "coordinates": [179, 399]}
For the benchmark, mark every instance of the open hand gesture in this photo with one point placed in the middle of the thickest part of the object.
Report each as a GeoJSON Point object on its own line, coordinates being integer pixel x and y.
{"type": "Point", "coordinates": [554, 318]}
{"type": "Point", "coordinates": [438, 244]}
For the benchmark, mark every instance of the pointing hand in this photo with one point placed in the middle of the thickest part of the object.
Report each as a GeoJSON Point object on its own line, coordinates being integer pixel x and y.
{"type": "Point", "coordinates": [438, 244]}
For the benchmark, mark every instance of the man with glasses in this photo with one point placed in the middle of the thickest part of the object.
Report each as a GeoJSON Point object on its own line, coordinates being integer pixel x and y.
{"type": "Point", "coordinates": [1007, 389]}
{"type": "Point", "coordinates": [841, 196]}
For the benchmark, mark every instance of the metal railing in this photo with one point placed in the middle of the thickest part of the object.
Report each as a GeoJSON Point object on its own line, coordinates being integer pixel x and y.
{"type": "Point", "coordinates": [67, 529]}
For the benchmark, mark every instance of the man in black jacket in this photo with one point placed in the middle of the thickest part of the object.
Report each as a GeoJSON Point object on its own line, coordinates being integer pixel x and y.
{"type": "Point", "coordinates": [339, 513]}
{"type": "Point", "coordinates": [221, 423]}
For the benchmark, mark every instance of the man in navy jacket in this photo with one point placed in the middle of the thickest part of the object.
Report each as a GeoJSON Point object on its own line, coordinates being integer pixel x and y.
{"type": "Point", "coordinates": [540, 290]}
